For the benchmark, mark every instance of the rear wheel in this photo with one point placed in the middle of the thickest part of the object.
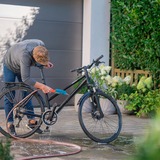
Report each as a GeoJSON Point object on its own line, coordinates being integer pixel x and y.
{"type": "Point", "coordinates": [21, 113]}
{"type": "Point", "coordinates": [102, 128]}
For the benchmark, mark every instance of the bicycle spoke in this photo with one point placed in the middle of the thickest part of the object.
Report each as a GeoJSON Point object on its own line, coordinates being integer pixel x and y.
{"type": "Point", "coordinates": [100, 129]}
{"type": "Point", "coordinates": [30, 108]}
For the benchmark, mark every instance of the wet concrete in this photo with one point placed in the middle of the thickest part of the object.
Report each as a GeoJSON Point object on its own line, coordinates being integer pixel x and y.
{"type": "Point", "coordinates": [67, 129]}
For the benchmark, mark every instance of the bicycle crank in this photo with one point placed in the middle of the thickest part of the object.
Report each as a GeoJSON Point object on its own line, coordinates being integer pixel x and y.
{"type": "Point", "coordinates": [49, 118]}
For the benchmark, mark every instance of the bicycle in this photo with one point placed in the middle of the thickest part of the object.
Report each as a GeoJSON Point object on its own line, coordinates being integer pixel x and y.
{"type": "Point", "coordinates": [97, 124]}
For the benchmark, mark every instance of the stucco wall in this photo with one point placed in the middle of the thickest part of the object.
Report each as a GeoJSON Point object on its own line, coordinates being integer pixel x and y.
{"type": "Point", "coordinates": [96, 30]}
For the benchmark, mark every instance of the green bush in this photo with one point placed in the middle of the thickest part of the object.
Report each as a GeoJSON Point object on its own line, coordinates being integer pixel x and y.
{"type": "Point", "coordinates": [144, 100]}
{"type": "Point", "coordinates": [143, 103]}
{"type": "Point", "coordinates": [5, 151]}
{"type": "Point", "coordinates": [135, 35]}
{"type": "Point", "coordinates": [149, 147]}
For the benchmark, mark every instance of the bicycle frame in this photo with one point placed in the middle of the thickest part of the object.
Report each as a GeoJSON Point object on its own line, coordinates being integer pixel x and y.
{"type": "Point", "coordinates": [74, 91]}
{"type": "Point", "coordinates": [99, 124]}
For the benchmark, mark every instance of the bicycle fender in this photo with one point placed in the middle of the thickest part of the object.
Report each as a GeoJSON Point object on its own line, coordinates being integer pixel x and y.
{"type": "Point", "coordinates": [81, 99]}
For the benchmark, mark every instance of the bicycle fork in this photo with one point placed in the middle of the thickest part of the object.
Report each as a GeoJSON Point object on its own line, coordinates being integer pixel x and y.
{"type": "Point", "coordinates": [97, 111]}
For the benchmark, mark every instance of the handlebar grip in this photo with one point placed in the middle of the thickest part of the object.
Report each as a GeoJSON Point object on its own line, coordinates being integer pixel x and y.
{"type": "Point", "coordinates": [73, 70]}
{"type": "Point", "coordinates": [79, 70]}
{"type": "Point", "coordinates": [96, 62]}
{"type": "Point", "coordinates": [99, 58]}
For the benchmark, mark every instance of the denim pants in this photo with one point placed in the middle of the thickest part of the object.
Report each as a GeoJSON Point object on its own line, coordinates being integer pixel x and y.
{"type": "Point", "coordinates": [10, 76]}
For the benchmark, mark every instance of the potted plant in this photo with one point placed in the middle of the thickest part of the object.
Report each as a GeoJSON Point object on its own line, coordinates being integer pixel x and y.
{"type": "Point", "coordinates": [101, 76]}
{"type": "Point", "coordinates": [124, 89]}
{"type": "Point", "coordinates": [145, 100]}
{"type": "Point", "coordinates": [144, 104]}
{"type": "Point", "coordinates": [114, 86]}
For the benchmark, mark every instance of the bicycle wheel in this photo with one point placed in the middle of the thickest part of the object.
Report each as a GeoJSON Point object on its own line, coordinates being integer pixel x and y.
{"type": "Point", "coordinates": [21, 113]}
{"type": "Point", "coordinates": [102, 129]}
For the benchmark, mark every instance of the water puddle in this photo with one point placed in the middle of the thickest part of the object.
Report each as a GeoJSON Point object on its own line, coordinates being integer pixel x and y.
{"type": "Point", "coordinates": [124, 145]}
{"type": "Point", "coordinates": [25, 149]}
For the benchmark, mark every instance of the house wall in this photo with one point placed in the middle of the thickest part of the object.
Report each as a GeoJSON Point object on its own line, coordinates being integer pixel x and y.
{"type": "Point", "coordinates": [96, 30]}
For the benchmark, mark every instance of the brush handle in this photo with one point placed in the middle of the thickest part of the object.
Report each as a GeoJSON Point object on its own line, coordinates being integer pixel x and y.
{"type": "Point", "coordinates": [59, 91]}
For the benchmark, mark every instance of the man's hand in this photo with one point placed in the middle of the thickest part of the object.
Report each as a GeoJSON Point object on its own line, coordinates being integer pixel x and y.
{"type": "Point", "coordinates": [43, 87]}
{"type": "Point", "coordinates": [49, 65]}
{"type": "Point", "coordinates": [46, 89]}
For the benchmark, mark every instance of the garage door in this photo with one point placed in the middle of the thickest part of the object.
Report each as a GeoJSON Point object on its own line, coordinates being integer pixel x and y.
{"type": "Point", "coordinates": [57, 22]}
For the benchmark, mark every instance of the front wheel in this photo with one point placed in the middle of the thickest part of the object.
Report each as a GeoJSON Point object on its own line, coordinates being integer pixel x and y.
{"type": "Point", "coordinates": [100, 117]}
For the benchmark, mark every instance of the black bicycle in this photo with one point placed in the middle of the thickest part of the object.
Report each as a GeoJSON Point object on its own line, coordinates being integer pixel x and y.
{"type": "Point", "coordinates": [98, 123]}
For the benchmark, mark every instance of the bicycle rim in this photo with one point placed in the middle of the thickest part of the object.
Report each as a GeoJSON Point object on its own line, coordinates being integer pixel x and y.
{"type": "Point", "coordinates": [20, 113]}
{"type": "Point", "coordinates": [104, 129]}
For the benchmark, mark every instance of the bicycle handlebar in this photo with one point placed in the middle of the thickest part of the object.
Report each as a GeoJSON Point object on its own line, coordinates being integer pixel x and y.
{"type": "Point", "coordinates": [99, 58]}
{"type": "Point", "coordinates": [79, 70]}
{"type": "Point", "coordinates": [96, 62]}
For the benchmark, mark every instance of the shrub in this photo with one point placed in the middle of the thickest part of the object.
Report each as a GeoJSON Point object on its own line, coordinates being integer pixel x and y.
{"type": "Point", "coordinates": [148, 147]}
{"type": "Point", "coordinates": [144, 100]}
{"type": "Point", "coordinates": [5, 151]}
{"type": "Point", "coordinates": [135, 37]}
{"type": "Point", "coordinates": [114, 86]}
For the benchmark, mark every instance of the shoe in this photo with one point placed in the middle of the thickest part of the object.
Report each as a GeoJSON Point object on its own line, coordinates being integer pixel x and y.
{"type": "Point", "coordinates": [31, 125]}
{"type": "Point", "coordinates": [11, 129]}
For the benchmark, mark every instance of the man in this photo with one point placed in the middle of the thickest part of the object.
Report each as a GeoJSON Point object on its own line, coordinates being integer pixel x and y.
{"type": "Point", "coordinates": [17, 62]}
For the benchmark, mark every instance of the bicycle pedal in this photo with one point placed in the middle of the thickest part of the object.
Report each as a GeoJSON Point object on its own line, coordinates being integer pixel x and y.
{"type": "Point", "coordinates": [17, 125]}
{"type": "Point", "coordinates": [46, 130]}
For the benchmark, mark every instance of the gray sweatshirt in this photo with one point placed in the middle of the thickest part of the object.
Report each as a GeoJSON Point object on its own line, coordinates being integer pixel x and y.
{"type": "Point", "coordinates": [19, 59]}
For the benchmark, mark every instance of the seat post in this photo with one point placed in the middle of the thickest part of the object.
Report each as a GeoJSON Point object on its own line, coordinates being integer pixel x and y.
{"type": "Point", "coordinates": [43, 81]}
{"type": "Point", "coordinates": [42, 75]}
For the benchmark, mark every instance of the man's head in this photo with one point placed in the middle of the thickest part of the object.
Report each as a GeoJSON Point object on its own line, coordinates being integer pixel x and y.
{"type": "Point", "coordinates": [40, 54]}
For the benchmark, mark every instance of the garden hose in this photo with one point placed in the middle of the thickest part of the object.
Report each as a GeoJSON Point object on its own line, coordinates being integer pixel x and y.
{"type": "Point", "coordinates": [75, 148]}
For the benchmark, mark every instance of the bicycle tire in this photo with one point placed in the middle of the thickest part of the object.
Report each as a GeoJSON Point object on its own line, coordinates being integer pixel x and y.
{"type": "Point", "coordinates": [103, 130]}
{"type": "Point", "coordinates": [20, 129]}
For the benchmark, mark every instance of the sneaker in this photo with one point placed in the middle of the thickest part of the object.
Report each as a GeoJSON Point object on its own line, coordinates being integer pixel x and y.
{"type": "Point", "coordinates": [11, 129]}
{"type": "Point", "coordinates": [31, 125]}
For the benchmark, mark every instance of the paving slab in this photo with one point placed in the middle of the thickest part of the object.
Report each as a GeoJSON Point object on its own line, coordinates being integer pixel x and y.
{"type": "Point", "coordinates": [67, 129]}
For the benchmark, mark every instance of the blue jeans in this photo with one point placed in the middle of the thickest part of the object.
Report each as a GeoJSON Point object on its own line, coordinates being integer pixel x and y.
{"type": "Point", "coordinates": [10, 76]}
